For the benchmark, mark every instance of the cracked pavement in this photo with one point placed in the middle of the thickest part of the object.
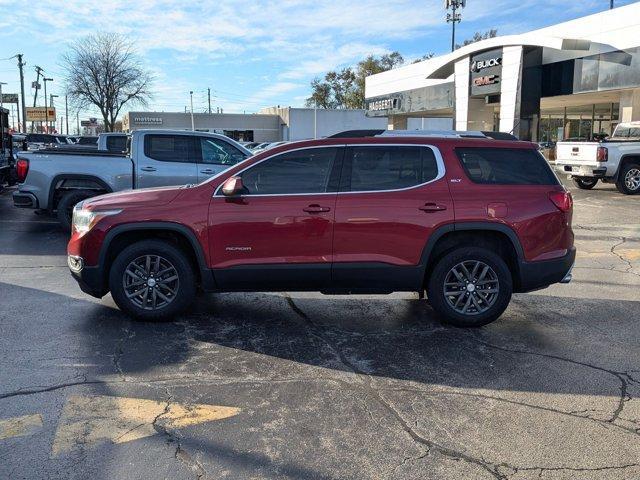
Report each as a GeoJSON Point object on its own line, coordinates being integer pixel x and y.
{"type": "Point", "coordinates": [333, 387]}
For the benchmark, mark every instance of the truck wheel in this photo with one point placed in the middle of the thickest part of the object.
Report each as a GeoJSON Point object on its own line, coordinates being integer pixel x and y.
{"type": "Point", "coordinates": [152, 280]}
{"type": "Point", "coordinates": [66, 204]}
{"type": "Point", "coordinates": [470, 287]}
{"type": "Point", "coordinates": [585, 183]}
{"type": "Point", "coordinates": [628, 181]}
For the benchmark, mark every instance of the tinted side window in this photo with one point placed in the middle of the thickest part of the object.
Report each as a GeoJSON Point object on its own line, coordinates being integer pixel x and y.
{"type": "Point", "coordinates": [506, 166]}
{"type": "Point", "coordinates": [116, 143]}
{"type": "Point", "coordinates": [391, 167]}
{"type": "Point", "coordinates": [170, 148]}
{"type": "Point", "coordinates": [219, 152]}
{"type": "Point", "coordinates": [302, 171]}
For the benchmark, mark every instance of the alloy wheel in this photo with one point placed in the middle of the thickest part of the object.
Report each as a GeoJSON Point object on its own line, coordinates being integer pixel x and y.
{"type": "Point", "coordinates": [151, 282]}
{"type": "Point", "coordinates": [471, 287]}
{"type": "Point", "coordinates": [632, 179]}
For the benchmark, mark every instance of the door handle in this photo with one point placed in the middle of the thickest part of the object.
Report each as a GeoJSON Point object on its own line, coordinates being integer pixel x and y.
{"type": "Point", "coordinates": [315, 209]}
{"type": "Point", "coordinates": [208, 171]}
{"type": "Point", "coordinates": [148, 169]}
{"type": "Point", "coordinates": [432, 207]}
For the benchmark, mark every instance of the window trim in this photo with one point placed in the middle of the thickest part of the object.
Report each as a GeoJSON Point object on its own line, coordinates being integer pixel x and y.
{"type": "Point", "coordinates": [147, 146]}
{"type": "Point", "coordinates": [434, 149]}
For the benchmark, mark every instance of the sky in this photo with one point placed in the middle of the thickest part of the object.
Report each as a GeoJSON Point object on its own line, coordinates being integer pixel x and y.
{"type": "Point", "coordinates": [252, 54]}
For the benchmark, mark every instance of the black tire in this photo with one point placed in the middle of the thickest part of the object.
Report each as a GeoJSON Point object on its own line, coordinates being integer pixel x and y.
{"type": "Point", "coordinates": [66, 204]}
{"type": "Point", "coordinates": [585, 183]}
{"type": "Point", "coordinates": [497, 301]}
{"type": "Point", "coordinates": [623, 183]}
{"type": "Point", "coordinates": [185, 290]}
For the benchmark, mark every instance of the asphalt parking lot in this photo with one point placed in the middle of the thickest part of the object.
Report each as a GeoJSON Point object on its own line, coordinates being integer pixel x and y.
{"type": "Point", "coordinates": [308, 386]}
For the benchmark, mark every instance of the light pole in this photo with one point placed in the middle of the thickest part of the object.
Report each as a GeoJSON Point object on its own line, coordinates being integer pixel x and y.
{"type": "Point", "coordinates": [193, 127]}
{"type": "Point", "coordinates": [51, 97]}
{"type": "Point", "coordinates": [454, 17]}
{"type": "Point", "coordinates": [46, 109]}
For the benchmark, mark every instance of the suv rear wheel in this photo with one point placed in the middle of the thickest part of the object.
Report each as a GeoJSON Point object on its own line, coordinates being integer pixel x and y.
{"type": "Point", "coordinates": [585, 183]}
{"type": "Point", "coordinates": [629, 179]}
{"type": "Point", "coordinates": [470, 287]}
{"type": "Point", "coordinates": [152, 280]}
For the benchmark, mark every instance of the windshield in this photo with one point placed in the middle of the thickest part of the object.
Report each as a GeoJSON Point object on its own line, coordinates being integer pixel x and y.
{"type": "Point", "coordinates": [627, 131]}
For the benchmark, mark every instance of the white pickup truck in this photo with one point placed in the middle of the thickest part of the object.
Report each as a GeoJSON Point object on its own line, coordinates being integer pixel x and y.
{"type": "Point", "coordinates": [54, 180]}
{"type": "Point", "coordinates": [613, 160]}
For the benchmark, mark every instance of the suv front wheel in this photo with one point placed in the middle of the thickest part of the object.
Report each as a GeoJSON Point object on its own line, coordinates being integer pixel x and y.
{"type": "Point", "coordinates": [152, 280]}
{"type": "Point", "coordinates": [470, 287]}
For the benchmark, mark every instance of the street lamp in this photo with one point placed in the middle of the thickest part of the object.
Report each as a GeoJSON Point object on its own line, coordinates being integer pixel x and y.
{"type": "Point", "coordinates": [454, 17]}
{"type": "Point", "coordinates": [46, 109]}
{"type": "Point", "coordinates": [193, 127]}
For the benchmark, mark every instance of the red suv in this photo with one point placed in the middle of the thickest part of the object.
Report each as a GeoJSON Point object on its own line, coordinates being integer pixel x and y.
{"type": "Point", "coordinates": [464, 217]}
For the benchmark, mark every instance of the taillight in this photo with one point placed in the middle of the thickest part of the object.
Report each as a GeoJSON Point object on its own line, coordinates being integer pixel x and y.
{"type": "Point", "coordinates": [22, 168]}
{"type": "Point", "coordinates": [602, 155]}
{"type": "Point", "coordinates": [562, 200]}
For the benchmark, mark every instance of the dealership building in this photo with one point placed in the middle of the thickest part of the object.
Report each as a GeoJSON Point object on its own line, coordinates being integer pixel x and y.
{"type": "Point", "coordinates": [569, 80]}
{"type": "Point", "coordinates": [268, 125]}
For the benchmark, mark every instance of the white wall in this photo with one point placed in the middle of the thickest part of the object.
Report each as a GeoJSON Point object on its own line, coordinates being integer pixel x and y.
{"type": "Point", "coordinates": [328, 122]}
{"type": "Point", "coordinates": [429, 123]}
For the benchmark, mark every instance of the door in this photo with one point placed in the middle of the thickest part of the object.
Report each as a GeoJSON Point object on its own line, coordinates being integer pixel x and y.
{"type": "Point", "coordinates": [391, 199]}
{"type": "Point", "coordinates": [166, 159]}
{"type": "Point", "coordinates": [277, 235]}
{"type": "Point", "coordinates": [216, 156]}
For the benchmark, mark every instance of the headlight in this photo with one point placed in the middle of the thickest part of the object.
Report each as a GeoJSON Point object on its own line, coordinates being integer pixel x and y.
{"type": "Point", "coordinates": [84, 220]}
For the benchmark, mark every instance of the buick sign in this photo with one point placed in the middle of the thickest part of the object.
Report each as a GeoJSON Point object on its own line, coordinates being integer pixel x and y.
{"type": "Point", "coordinates": [478, 65]}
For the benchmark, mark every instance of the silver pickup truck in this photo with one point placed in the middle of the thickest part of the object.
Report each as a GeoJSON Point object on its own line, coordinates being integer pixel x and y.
{"type": "Point", "coordinates": [55, 181]}
{"type": "Point", "coordinates": [613, 160]}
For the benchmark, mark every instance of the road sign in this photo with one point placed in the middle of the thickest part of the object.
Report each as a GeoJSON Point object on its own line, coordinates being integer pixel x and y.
{"type": "Point", "coordinates": [92, 122]}
{"type": "Point", "coordinates": [35, 85]}
{"type": "Point", "coordinates": [9, 98]}
{"type": "Point", "coordinates": [39, 114]}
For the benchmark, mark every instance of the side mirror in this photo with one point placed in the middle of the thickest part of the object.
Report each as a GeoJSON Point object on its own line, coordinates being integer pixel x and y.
{"type": "Point", "coordinates": [232, 186]}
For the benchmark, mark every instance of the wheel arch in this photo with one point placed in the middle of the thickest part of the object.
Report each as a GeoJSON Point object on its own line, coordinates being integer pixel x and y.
{"type": "Point", "coordinates": [181, 236]}
{"type": "Point", "coordinates": [495, 236]}
{"type": "Point", "coordinates": [624, 160]}
{"type": "Point", "coordinates": [75, 181]}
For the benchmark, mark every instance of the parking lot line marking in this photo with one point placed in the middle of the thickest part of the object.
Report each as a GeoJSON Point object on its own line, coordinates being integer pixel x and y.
{"type": "Point", "coordinates": [20, 426]}
{"type": "Point", "coordinates": [90, 420]}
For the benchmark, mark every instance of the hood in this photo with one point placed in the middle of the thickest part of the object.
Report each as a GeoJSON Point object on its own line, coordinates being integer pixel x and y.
{"type": "Point", "coordinates": [132, 198]}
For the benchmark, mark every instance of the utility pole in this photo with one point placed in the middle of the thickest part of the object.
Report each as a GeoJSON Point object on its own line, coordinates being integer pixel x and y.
{"type": "Point", "coordinates": [66, 112]}
{"type": "Point", "coordinates": [193, 127]}
{"type": "Point", "coordinates": [36, 85]}
{"type": "Point", "coordinates": [78, 122]}
{"type": "Point", "coordinates": [209, 99]}
{"type": "Point", "coordinates": [1, 122]}
{"type": "Point", "coordinates": [51, 97]}
{"type": "Point", "coordinates": [21, 64]}
{"type": "Point", "coordinates": [454, 17]}
{"type": "Point", "coordinates": [46, 108]}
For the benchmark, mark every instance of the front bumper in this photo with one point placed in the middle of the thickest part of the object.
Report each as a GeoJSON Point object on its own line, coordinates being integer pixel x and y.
{"type": "Point", "coordinates": [90, 279]}
{"type": "Point", "coordinates": [537, 275]}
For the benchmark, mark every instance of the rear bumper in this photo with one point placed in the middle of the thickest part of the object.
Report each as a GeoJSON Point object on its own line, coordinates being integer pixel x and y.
{"type": "Point", "coordinates": [25, 200]}
{"type": "Point", "coordinates": [537, 275]}
{"type": "Point", "coordinates": [582, 170]}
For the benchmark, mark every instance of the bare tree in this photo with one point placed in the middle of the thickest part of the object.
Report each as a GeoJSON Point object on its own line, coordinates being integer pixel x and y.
{"type": "Point", "coordinates": [103, 70]}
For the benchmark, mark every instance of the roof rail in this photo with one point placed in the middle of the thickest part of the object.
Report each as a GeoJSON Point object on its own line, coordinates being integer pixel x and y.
{"type": "Point", "coordinates": [432, 133]}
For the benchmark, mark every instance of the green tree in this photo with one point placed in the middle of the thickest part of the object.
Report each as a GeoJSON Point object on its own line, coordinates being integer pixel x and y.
{"type": "Point", "coordinates": [345, 89]}
{"type": "Point", "coordinates": [477, 37]}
